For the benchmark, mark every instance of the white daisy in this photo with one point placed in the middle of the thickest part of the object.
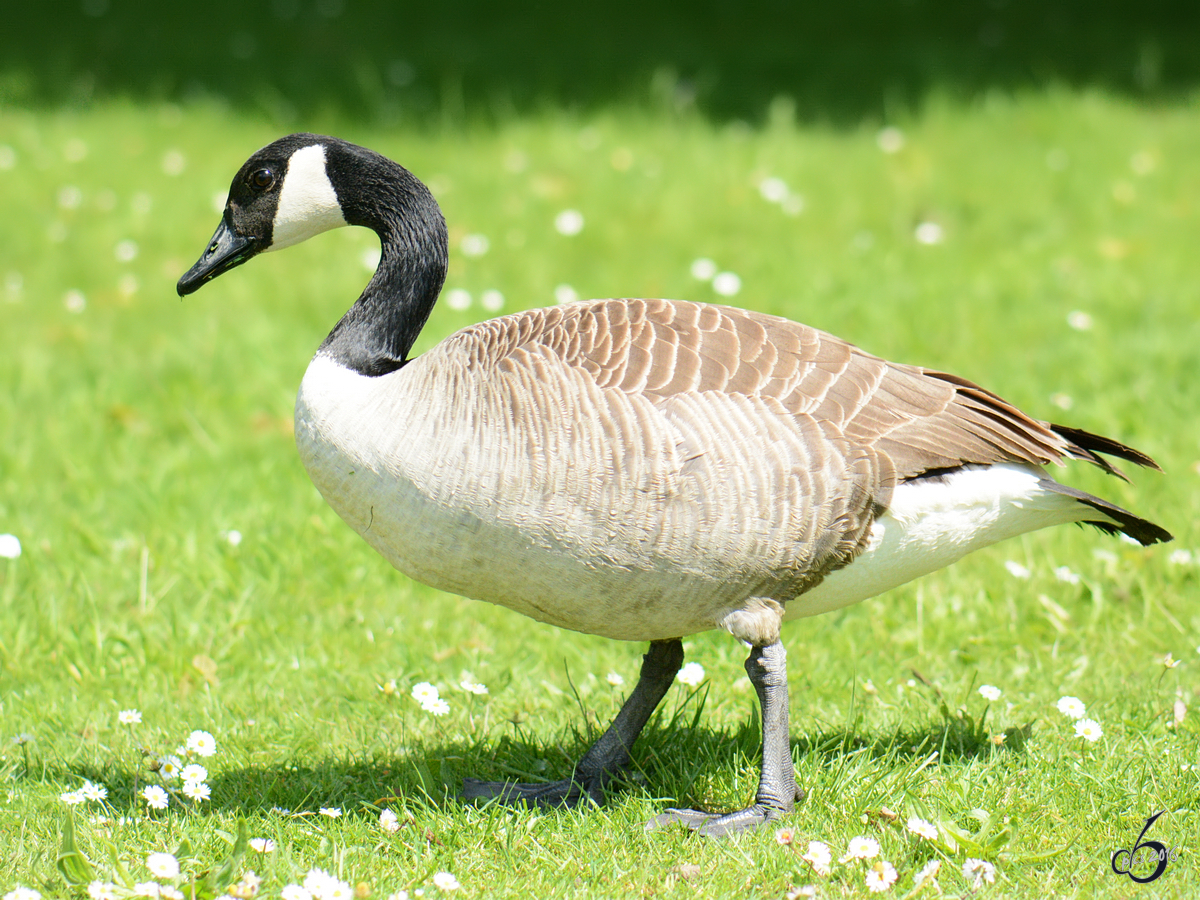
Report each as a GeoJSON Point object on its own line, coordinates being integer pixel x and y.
{"type": "Point", "coordinates": [564, 293]}
{"type": "Point", "coordinates": [1089, 730]}
{"type": "Point", "coordinates": [169, 766]}
{"type": "Point", "coordinates": [881, 876]}
{"type": "Point", "coordinates": [1065, 575]}
{"type": "Point", "coordinates": [773, 190]}
{"type": "Point", "coordinates": [196, 790]}
{"type": "Point", "coordinates": [389, 821]}
{"type": "Point", "coordinates": [10, 548]}
{"type": "Point", "coordinates": [194, 772]}
{"type": "Point", "coordinates": [785, 836]}
{"type": "Point", "coordinates": [102, 890]}
{"type": "Point", "coordinates": [928, 871]}
{"type": "Point", "coordinates": [1071, 706]}
{"type": "Point", "coordinates": [423, 692]}
{"type": "Point", "coordinates": [615, 679]}
{"type": "Point", "coordinates": [819, 856]}
{"type": "Point", "coordinates": [201, 743]}
{"type": "Point", "coordinates": [22, 893]}
{"type": "Point", "coordinates": [474, 245]}
{"type": "Point", "coordinates": [91, 791]}
{"type": "Point", "coordinates": [929, 233]}
{"type": "Point", "coordinates": [72, 798]}
{"type": "Point", "coordinates": [155, 797]}
{"type": "Point", "coordinates": [1016, 570]}
{"type": "Point", "coordinates": [332, 812]}
{"type": "Point", "coordinates": [703, 269]}
{"type": "Point", "coordinates": [890, 139]}
{"type": "Point", "coordinates": [471, 686]}
{"type": "Point", "coordinates": [295, 892]}
{"type": "Point", "coordinates": [569, 222]}
{"type": "Point", "coordinates": [162, 865]}
{"type": "Point", "coordinates": [727, 284]}
{"type": "Point", "coordinates": [129, 717]}
{"type": "Point", "coordinates": [492, 300]}
{"type": "Point", "coordinates": [458, 299]}
{"type": "Point", "coordinates": [438, 707]}
{"type": "Point", "coordinates": [989, 692]}
{"type": "Point", "coordinates": [444, 881]}
{"type": "Point", "coordinates": [922, 828]}
{"type": "Point", "coordinates": [691, 674]}
{"type": "Point", "coordinates": [979, 871]}
{"type": "Point", "coordinates": [861, 848]}
{"type": "Point", "coordinates": [147, 889]}
{"type": "Point", "coordinates": [262, 845]}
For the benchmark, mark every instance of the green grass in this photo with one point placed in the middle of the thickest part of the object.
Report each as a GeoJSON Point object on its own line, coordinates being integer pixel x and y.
{"type": "Point", "coordinates": [139, 430]}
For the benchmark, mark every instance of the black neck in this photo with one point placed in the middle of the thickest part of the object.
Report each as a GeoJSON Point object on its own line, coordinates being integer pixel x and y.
{"type": "Point", "coordinates": [377, 333]}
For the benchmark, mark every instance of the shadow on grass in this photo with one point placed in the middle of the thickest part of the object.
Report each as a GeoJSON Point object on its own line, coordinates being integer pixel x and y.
{"type": "Point", "coordinates": [385, 63]}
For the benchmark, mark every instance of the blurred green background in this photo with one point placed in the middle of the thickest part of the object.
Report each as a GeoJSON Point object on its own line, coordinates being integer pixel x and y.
{"type": "Point", "coordinates": [389, 63]}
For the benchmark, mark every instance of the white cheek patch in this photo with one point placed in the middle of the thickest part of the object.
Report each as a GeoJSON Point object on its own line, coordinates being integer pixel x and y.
{"type": "Point", "coordinates": [308, 203]}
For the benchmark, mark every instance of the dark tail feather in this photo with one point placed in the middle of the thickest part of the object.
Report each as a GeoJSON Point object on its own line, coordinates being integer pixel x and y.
{"type": "Point", "coordinates": [1118, 521]}
{"type": "Point", "coordinates": [1088, 446]}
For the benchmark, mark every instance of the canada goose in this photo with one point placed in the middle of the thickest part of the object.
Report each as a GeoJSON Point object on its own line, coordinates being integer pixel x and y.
{"type": "Point", "coordinates": [638, 469]}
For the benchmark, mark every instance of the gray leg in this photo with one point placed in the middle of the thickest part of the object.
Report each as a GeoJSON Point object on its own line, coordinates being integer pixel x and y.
{"type": "Point", "coordinates": [609, 755]}
{"type": "Point", "coordinates": [777, 791]}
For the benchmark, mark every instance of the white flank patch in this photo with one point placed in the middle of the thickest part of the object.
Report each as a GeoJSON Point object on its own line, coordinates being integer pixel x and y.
{"type": "Point", "coordinates": [308, 203]}
{"type": "Point", "coordinates": [935, 522]}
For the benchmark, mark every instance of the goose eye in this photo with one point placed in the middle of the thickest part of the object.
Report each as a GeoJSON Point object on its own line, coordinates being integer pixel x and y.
{"type": "Point", "coordinates": [262, 179]}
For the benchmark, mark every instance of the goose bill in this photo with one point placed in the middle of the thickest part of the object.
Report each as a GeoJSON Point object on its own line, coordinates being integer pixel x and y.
{"type": "Point", "coordinates": [226, 251]}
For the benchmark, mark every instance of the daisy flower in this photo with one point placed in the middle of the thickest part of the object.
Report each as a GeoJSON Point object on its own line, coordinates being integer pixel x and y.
{"type": "Point", "coordinates": [201, 743]}
{"type": "Point", "coordinates": [295, 892]}
{"type": "Point", "coordinates": [703, 269]}
{"type": "Point", "coordinates": [438, 707]}
{"type": "Point", "coordinates": [1089, 730]}
{"type": "Point", "coordinates": [389, 821]}
{"type": "Point", "coordinates": [615, 679]}
{"type": "Point", "coordinates": [785, 836]}
{"type": "Point", "coordinates": [23, 893]}
{"type": "Point", "coordinates": [196, 790]}
{"type": "Point", "coordinates": [72, 798]}
{"type": "Point", "coordinates": [922, 828]}
{"type": "Point", "coordinates": [861, 848]}
{"type": "Point", "coordinates": [979, 871]}
{"type": "Point", "coordinates": [1065, 575]}
{"type": "Point", "coordinates": [881, 876]}
{"type": "Point", "coordinates": [819, 856]}
{"type": "Point", "coordinates": [102, 890]}
{"type": "Point", "coordinates": [471, 686]}
{"type": "Point", "coordinates": [928, 872]}
{"type": "Point", "coordinates": [691, 674]}
{"type": "Point", "coordinates": [194, 772]}
{"type": "Point", "coordinates": [162, 865]}
{"type": "Point", "coordinates": [1016, 570]}
{"type": "Point", "coordinates": [423, 692]}
{"type": "Point", "coordinates": [262, 845]}
{"type": "Point", "coordinates": [169, 766]}
{"type": "Point", "coordinates": [727, 284]}
{"type": "Point", "coordinates": [444, 881]}
{"type": "Point", "coordinates": [929, 233]}
{"type": "Point", "coordinates": [1071, 706]}
{"type": "Point", "coordinates": [10, 548]}
{"type": "Point", "coordinates": [332, 811]}
{"type": "Point", "coordinates": [129, 717]}
{"type": "Point", "coordinates": [92, 791]}
{"type": "Point", "coordinates": [155, 797]}
{"type": "Point", "coordinates": [569, 222]}
{"type": "Point", "coordinates": [989, 692]}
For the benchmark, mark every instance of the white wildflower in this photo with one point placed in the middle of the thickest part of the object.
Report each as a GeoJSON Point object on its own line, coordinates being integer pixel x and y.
{"type": "Point", "coordinates": [194, 772]}
{"type": "Point", "coordinates": [861, 848]}
{"type": "Point", "coordinates": [162, 865]}
{"type": "Point", "coordinates": [922, 828]}
{"type": "Point", "coordinates": [1016, 570]}
{"type": "Point", "coordinates": [615, 679]}
{"type": "Point", "coordinates": [1071, 706]}
{"type": "Point", "coordinates": [1181, 558]}
{"type": "Point", "coordinates": [332, 812]}
{"type": "Point", "coordinates": [703, 269]}
{"type": "Point", "coordinates": [474, 245]}
{"type": "Point", "coordinates": [444, 881]}
{"type": "Point", "coordinates": [262, 845]}
{"type": "Point", "coordinates": [23, 893]}
{"type": "Point", "coordinates": [773, 190]}
{"type": "Point", "coordinates": [979, 871]}
{"type": "Point", "coordinates": [10, 546]}
{"type": "Point", "coordinates": [1089, 730]}
{"type": "Point", "coordinates": [989, 692]}
{"type": "Point", "coordinates": [928, 872]}
{"type": "Point", "coordinates": [72, 798]}
{"type": "Point", "coordinates": [423, 692]}
{"type": "Point", "coordinates": [564, 293]}
{"type": "Point", "coordinates": [129, 717]}
{"type": "Point", "coordinates": [201, 743]}
{"type": "Point", "coordinates": [819, 856]}
{"type": "Point", "coordinates": [929, 233]}
{"type": "Point", "coordinates": [437, 707]}
{"type": "Point", "coordinates": [890, 139]}
{"type": "Point", "coordinates": [155, 797]}
{"type": "Point", "coordinates": [196, 790]}
{"type": "Point", "coordinates": [389, 821]}
{"type": "Point", "coordinates": [102, 890]}
{"type": "Point", "coordinates": [691, 674]}
{"type": "Point", "coordinates": [727, 284]}
{"type": "Point", "coordinates": [881, 876]}
{"type": "Point", "coordinates": [91, 791]}
{"type": "Point", "coordinates": [569, 222]}
{"type": "Point", "coordinates": [458, 299]}
{"type": "Point", "coordinates": [1065, 575]}
{"type": "Point", "coordinates": [1079, 320]}
{"type": "Point", "coordinates": [169, 766]}
{"type": "Point", "coordinates": [295, 892]}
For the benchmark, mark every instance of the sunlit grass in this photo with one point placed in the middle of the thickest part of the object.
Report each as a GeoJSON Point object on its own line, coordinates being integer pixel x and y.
{"type": "Point", "coordinates": [142, 432]}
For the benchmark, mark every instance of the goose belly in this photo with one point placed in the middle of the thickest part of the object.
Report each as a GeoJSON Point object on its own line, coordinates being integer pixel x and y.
{"type": "Point", "coordinates": [400, 465]}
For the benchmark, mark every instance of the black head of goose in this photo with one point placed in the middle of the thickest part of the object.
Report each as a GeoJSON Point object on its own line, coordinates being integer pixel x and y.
{"type": "Point", "coordinates": [639, 469]}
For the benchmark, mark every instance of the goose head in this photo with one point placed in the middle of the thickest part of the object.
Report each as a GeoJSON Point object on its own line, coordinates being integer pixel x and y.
{"type": "Point", "coordinates": [304, 184]}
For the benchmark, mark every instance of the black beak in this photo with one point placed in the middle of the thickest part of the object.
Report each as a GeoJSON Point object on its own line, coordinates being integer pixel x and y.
{"type": "Point", "coordinates": [226, 250]}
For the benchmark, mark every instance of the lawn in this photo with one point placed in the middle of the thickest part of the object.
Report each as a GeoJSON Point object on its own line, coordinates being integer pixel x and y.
{"type": "Point", "coordinates": [175, 559]}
